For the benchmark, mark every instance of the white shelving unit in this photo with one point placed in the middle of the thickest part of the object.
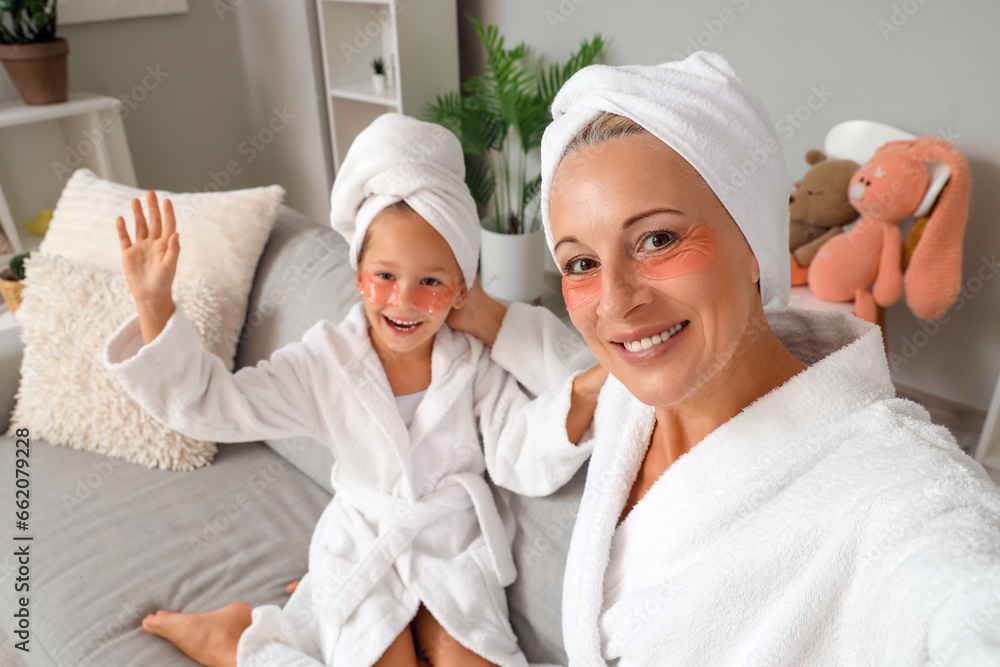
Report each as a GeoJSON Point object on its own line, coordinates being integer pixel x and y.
{"type": "Point", "coordinates": [988, 449]}
{"type": "Point", "coordinates": [41, 145]}
{"type": "Point", "coordinates": [418, 41]}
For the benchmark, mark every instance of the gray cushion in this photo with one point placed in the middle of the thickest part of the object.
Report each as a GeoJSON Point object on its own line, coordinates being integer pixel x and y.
{"type": "Point", "coordinates": [115, 541]}
{"type": "Point", "coordinates": [541, 542]}
{"type": "Point", "coordinates": [303, 277]}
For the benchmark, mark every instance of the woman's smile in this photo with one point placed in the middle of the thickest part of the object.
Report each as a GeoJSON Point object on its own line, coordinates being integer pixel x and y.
{"type": "Point", "coordinates": [640, 346]}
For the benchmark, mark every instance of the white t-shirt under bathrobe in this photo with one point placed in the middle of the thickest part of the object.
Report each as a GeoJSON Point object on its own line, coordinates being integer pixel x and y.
{"type": "Point", "coordinates": [412, 519]}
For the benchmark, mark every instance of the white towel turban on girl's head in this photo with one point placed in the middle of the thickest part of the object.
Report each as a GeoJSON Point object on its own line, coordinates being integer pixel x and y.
{"type": "Point", "coordinates": [399, 158]}
{"type": "Point", "coordinates": [703, 110]}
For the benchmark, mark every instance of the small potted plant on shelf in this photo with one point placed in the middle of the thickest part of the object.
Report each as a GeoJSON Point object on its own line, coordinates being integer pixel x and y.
{"type": "Point", "coordinates": [500, 122]}
{"type": "Point", "coordinates": [11, 283]}
{"type": "Point", "coordinates": [378, 75]}
{"type": "Point", "coordinates": [34, 57]}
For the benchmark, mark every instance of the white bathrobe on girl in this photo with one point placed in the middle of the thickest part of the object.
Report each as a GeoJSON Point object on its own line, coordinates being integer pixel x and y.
{"type": "Point", "coordinates": [829, 523]}
{"type": "Point", "coordinates": [412, 519]}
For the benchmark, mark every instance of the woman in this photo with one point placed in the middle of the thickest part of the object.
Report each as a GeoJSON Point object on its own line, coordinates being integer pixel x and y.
{"type": "Point", "coordinates": [757, 494]}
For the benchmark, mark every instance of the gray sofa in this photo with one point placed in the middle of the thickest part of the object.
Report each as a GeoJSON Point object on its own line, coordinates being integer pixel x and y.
{"type": "Point", "coordinates": [115, 541]}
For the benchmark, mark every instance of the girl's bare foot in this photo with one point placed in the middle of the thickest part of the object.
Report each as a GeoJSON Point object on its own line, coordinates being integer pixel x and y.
{"type": "Point", "coordinates": [209, 638]}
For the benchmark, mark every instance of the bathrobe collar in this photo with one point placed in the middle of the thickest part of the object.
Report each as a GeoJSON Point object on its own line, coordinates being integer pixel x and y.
{"type": "Point", "coordinates": [846, 371]}
{"type": "Point", "coordinates": [453, 363]}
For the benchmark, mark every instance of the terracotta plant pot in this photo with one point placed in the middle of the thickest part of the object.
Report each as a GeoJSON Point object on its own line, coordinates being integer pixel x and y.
{"type": "Point", "coordinates": [38, 70]}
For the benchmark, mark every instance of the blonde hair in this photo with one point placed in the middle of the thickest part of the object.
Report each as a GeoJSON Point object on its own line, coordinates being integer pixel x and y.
{"type": "Point", "coordinates": [606, 126]}
{"type": "Point", "coordinates": [609, 126]}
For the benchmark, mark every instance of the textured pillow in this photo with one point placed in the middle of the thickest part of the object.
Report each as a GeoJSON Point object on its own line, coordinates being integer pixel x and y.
{"type": "Point", "coordinates": [222, 235]}
{"type": "Point", "coordinates": [66, 395]}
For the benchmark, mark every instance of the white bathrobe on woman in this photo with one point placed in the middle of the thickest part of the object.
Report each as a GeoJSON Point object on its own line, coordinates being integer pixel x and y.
{"type": "Point", "coordinates": [412, 519]}
{"type": "Point", "coordinates": [829, 523]}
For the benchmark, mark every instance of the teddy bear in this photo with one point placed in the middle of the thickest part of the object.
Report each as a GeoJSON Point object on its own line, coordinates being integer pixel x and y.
{"type": "Point", "coordinates": [818, 208]}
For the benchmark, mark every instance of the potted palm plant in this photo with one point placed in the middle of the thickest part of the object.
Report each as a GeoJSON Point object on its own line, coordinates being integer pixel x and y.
{"type": "Point", "coordinates": [500, 121]}
{"type": "Point", "coordinates": [34, 57]}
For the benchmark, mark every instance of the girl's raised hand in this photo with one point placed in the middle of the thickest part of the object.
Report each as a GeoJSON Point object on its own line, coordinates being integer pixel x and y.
{"type": "Point", "coordinates": [150, 261]}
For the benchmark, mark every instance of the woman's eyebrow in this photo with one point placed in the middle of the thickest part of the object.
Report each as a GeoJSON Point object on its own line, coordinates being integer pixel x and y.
{"type": "Point", "coordinates": [625, 225]}
{"type": "Point", "coordinates": [645, 214]}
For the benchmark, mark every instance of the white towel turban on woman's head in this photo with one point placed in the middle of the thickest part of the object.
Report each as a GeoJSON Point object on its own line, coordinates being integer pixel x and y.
{"type": "Point", "coordinates": [701, 109]}
{"type": "Point", "coordinates": [399, 158]}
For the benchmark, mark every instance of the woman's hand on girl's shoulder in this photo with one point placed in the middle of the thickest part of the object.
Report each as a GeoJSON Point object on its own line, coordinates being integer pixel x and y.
{"type": "Point", "coordinates": [479, 315]}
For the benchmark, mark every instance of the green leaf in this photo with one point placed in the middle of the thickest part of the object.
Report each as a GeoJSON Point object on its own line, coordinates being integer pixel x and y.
{"type": "Point", "coordinates": [531, 190]}
{"type": "Point", "coordinates": [27, 21]}
{"type": "Point", "coordinates": [479, 178]}
{"type": "Point", "coordinates": [557, 74]}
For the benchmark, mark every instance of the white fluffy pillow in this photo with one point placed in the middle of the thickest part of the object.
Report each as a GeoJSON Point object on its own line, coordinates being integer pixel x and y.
{"type": "Point", "coordinates": [222, 236]}
{"type": "Point", "coordinates": [66, 395]}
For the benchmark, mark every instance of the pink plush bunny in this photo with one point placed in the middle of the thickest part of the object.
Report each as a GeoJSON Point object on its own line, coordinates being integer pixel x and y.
{"type": "Point", "coordinates": [886, 190]}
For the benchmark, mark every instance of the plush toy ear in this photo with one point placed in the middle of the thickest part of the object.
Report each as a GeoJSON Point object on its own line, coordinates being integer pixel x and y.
{"type": "Point", "coordinates": [934, 276]}
{"type": "Point", "coordinates": [813, 156]}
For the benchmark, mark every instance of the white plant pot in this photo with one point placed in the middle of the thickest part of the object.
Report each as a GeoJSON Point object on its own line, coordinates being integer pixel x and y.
{"type": "Point", "coordinates": [379, 82]}
{"type": "Point", "coordinates": [513, 265]}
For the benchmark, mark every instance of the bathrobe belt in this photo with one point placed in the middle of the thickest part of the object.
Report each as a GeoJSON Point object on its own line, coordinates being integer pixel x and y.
{"type": "Point", "coordinates": [399, 522]}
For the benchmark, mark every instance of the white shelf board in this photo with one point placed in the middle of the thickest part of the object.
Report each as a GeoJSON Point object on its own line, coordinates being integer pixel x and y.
{"type": "Point", "coordinates": [363, 91]}
{"type": "Point", "coordinates": [360, 2]}
{"type": "Point", "coordinates": [19, 113]}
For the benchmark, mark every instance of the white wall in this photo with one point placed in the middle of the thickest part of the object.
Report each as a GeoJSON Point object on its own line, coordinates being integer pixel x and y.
{"type": "Point", "coordinates": [936, 74]}
{"type": "Point", "coordinates": [222, 69]}
{"type": "Point", "coordinates": [281, 64]}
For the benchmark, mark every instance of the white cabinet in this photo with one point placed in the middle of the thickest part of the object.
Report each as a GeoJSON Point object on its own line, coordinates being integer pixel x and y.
{"type": "Point", "coordinates": [416, 39]}
{"type": "Point", "coordinates": [40, 146]}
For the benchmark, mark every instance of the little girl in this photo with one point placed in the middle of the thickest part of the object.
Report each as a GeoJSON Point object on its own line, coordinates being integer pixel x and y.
{"type": "Point", "coordinates": [411, 545]}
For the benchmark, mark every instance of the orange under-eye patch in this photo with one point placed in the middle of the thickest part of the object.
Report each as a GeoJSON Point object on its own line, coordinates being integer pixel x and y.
{"type": "Point", "coordinates": [432, 300]}
{"type": "Point", "coordinates": [694, 251]}
{"type": "Point", "coordinates": [378, 293]}
{"type": "Point", "coordinates": [579, 292]}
